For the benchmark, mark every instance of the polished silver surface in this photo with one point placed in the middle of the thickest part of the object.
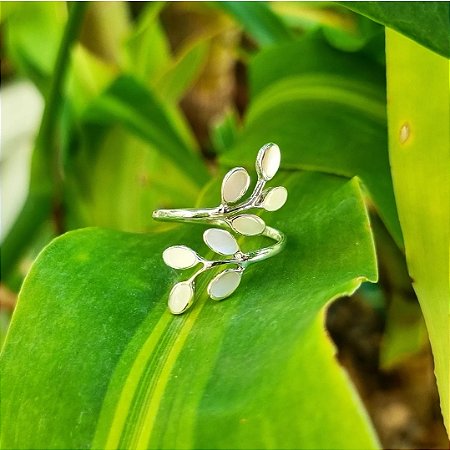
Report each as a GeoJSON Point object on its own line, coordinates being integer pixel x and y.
{"type": "Point", "coordinates": [229, 215]}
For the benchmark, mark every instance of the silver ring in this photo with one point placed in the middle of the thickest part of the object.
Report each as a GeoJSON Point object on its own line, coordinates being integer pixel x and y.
{"type": "Point", "coordinates": [230, 215]}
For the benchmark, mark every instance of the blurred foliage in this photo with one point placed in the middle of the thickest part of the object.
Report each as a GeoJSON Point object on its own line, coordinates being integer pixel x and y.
{"type": "Point", "coordinates": [147, 102]}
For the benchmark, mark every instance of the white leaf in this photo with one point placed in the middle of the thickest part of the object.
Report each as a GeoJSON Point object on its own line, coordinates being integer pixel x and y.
{"type": "Point", "coordinates": [220, 241]}
{"type": "Point", "coordinates": [268, 161]}
{"type": "Point", "coordinates": [275, 198]}
{"type": "Point", "coordinates": [180, 257]}
{"type": "Point", "coordinates": [180, 297]}
{"type": "Point", "coordinates": [235, 184]}
{"type": "Point", "coordinates": [248, 224]}
{"type": "Point", "coordinates": [224, 284]}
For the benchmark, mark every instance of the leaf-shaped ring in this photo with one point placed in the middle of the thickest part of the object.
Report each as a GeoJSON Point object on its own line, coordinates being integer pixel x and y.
{"type": "Point", "coordinates": [232, 215]}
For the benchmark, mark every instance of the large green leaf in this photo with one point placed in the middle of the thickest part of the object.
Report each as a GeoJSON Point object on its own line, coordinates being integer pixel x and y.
{"type": "Point", "coordinates": [426, 22]}
{"type": "Point", "coordinates": [419, 141]}
{"type": "Point", "coordinates": [326, 109]}
{"type": "Point", "coordinates": [103, 364]}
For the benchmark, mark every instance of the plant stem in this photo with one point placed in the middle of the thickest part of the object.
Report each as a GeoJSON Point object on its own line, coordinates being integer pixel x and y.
{"type": "Point", "coordinates": [46, 175]}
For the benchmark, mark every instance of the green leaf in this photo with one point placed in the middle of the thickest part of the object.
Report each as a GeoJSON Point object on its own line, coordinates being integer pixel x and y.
{"type": "Point", "coordinates": [116, 179]}
{"type": "Point", "coordinates": [326, 113]}
{"type": "Point", "coordinates": [179, 75]}
{"type": "Point", "coordinates": [419, 134]}
{"type": "Point", "coordinates": [425, 22]}
{"type": "Point", "coordinates": [147, 50]}
{"type": "Point", "coordinates": [312, 55]}
{"type": "Point", "coordinates": [32, 50]}
{"type": "Point", "coordinates": [105, 365]}
{"type": "Point", "coordinates": [404, 334]}
{"type": "Point", "coordinates": [259, 21]}
{"type": "Point", "coordinates": [149, 57]}
{"type": "Point", "coordinates": [129, 103]}
{"type": "Point", "coordinates": [88, 77]}
{"type": "Point", "coordinates": [106, 26]}
{"type": "Point", "coordinates": [223, 131]}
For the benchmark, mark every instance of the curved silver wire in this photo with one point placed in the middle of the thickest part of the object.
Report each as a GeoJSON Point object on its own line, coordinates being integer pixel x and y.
{"type": "Point", "coordinates": [226, 216]}
{"type": "Point", "coordinates": [216, 216]}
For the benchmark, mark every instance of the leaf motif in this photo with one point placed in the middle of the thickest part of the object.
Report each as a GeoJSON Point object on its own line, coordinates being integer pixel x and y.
{"type": "Point", "coordinates": [180, 257]}
{"type": "Point", "coordinates": [235, 184]}
{"type": "Point", "coordinates": [180, 297]}
{"type": "Point", "coordinates": [275, 198]}
{"type": "Point", "coordinates": [268, 161]}
{"type": "Point", "coordinates": [224, 284]}
{"type": "Point", "coordinates": [220, 241]}
{"type": "Point", "coordinates": [248, 224]}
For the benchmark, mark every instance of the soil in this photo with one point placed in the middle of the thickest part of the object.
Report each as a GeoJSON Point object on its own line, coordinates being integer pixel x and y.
{"type": "Point", "coordinates": [402, 402]}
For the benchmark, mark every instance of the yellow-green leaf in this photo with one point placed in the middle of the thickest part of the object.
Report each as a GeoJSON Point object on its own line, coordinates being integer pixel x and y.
{"type": "Point", "coordinates": [419, 142]}
{"type": "Point", "coordinates": [425, 22]}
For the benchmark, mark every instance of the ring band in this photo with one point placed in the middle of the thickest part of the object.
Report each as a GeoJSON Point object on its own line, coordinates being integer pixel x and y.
{"type": "Point", "coordinates": [208, 216]}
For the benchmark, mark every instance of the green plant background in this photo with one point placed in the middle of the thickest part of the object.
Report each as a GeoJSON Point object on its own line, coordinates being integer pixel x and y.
{"type": "Point", "coordinates": [101, 362]}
